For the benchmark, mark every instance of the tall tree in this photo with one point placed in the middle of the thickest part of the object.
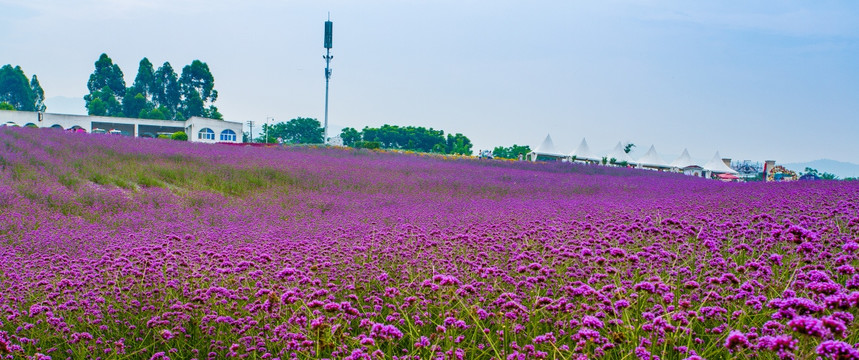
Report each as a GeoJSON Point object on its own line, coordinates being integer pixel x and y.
{"type": "Point", "coordinates": [196, 86]}
{"type": "Point", "coordinates": [144, 82]}
{"type": "Point", "coordinates": [38, 94]}
{"type": "Point", "coordinates": [15, 88]}
{"type": "Point", "coordinates": [165, 92]}
{"type": "Point", "coordinates": [106, 75]}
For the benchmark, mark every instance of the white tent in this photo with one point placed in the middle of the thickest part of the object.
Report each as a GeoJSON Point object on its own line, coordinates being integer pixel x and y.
{"type": "Point", "coordinates": [619, 155]}
{"type": "Point", "coordinates": [651, 159]}
{"type": "Point", "coordinates": [718, 166]}
{"type": "Point", "coordinates": [684, 160]}
{"type": "Point", "coordinates": [546, 150]}
{"type": "Point", "coordinates": [583, 153]}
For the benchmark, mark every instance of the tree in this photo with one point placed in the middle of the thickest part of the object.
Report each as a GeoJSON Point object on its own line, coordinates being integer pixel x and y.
{"type": "Point", "coordinates": [38, 94]}
{"type": "Point", "coordinates": [144, 82]}
{"type": "Point", "coordinates": [828, 176]}
{"type": "Point", "coordinates": [303, 131]}
{"type": "Point", "coordinates": [104, 103]}
{"type": "Point", "coordinates": [458, 144]}
{"type": "Point", "coordinates": [135, 104]}
{"type": "Point", "coordinates": [6, 106]}
{"type": "Point", "coordinates": [196, 86]}
{"type": "Point", "coordinates": [350, 136]}
{"type": "Point", "coordinates": [15, 88]}
{"type": "Point", "coordinates": [512, 152]}
{"type": "Point", "coordinates": [628, 147]}
{"type": "Point", "coordinates": [107, 81]}
{"type": "Point", "coordinates": [158, 113]}
{"type": "Point", "coordinates": [165, 91]}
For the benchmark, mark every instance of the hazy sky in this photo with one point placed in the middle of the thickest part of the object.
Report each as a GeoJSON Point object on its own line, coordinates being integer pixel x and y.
{"type": "Point", "coordinates": [753, 79]}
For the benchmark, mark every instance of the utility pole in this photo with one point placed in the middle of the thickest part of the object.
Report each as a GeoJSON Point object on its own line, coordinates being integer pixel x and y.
{"type": "Point", "coordinates": [329, 35]}
{"type": "Point", "coordinates": [251, 124]}
{"type": "Point", "coordinates": [267, 126]}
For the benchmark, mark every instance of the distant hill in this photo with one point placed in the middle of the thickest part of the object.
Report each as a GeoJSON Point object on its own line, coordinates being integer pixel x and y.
{"type": "Point", "coordinates": [66, 105]}
{"type": "Point", "coordinates": [839, 168]}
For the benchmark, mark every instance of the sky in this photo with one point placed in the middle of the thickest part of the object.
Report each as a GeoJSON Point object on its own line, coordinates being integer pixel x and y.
{"type": "Point", "coordinates": [754, 80]}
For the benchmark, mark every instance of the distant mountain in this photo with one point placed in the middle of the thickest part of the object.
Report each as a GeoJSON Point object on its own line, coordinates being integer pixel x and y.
{"type": "Point", "coordinates": [839, 168]}
{"type": "Point", "coordinates": [66, 105]}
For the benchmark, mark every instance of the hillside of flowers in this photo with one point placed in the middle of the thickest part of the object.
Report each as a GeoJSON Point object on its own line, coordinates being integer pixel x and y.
{"type": "Point", "coordinates": [129, 248]}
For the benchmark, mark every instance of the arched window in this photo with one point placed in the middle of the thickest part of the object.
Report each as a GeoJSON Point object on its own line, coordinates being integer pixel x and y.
{"type": "Point", "coordinates": [206, 134]}
{"type": "Point", "coordinates": [228, 135]}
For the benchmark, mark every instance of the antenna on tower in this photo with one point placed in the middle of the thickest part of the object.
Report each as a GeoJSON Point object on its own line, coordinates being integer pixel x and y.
{"type": "Point", "coordinates": [327, 43]}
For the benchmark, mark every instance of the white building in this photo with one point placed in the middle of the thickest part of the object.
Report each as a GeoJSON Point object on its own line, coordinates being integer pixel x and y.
{"type": "Point", "coordinates": [198, 129]}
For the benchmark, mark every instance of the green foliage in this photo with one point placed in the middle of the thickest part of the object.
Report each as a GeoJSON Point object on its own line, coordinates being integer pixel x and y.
{"type": "Point", "coordinates": [196, 85]}
{"type": "Point", "coordinates": [144, 82]}
{"type": "Point", "coordinates": [511, 152]}
{"type": "Point", "coordinates": [104, 103]}
{"type": "Point", "coordinates": [628, 147]}
{"type": "Point", "coordinates": [106, 82]}
{"type": "Point", "coordinates": [6, 106]}
{"type": "Point", "coordinates": [297, 131]}
{"type": "Point", "coordinates": [179, 135]}
{"type": "Point", "coordinates": [458, 144]}
{"type": "Point", "coordinates": [410, 138]}
{"type": "Point", "coordinates": [350, 136]}
{"type": "Point", "coordinates": [165, 90]}
{"type": "Point", "coordinates": [38, 94]}
{"type": "Point", "coordinates": [15, 89]}
{"type": "Point", "coordinates": [824, 175]}
{"type": "Point", "coordinates": [157, 94]}
{"type": "Point", "coordinates": [135, 104]}
{"type": "Point", "coordinates": [407, 138]}
{"type": "Point", "coordinates": [367, 144]}
{"type": "Point", "coordinates": [159, 113]}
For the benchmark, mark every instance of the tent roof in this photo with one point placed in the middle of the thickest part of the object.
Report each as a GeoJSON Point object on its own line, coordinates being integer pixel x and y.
{"type": "Point", "coordinates": [651, 158]}
{"type": "Point", "coordinates": [619, 155]}
{"type": "Point", "coordinates": [583, 152]}
{"type": "Point", "coordinates": [682, 161]}
{"type": "Point", "coordinates": [716, 165]}
{"type": "Point", "coordinates": [548, 148]}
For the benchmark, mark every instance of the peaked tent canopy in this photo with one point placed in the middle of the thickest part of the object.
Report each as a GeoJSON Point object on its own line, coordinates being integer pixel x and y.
{"type": "Point", "coordinates": [546, 149]}
{"type": "Point", "coordinates": [684, 160]}
{"type": "Point", "coordinates": [652, 159]}
{"type": "Point", "coordinates": [583, 152]}
{"type": "Point", "coordinates": [619, 155]}
{"type": "Point", "coordinates": [718, 166]}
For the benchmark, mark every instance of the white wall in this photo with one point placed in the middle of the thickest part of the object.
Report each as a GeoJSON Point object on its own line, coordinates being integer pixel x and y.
{"type": "Point", "coordinates": [192, 125]}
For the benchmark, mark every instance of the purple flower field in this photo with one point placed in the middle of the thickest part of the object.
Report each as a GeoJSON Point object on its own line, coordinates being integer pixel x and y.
{"type": "Point", "coordinates": [130, 248]}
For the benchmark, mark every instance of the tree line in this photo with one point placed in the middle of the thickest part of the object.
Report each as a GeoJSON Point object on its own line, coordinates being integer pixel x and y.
{"type": "Point", "coordinates": [155, 94]}
{"type": "Point", "coordinates": [17, 92]}
{"type": "Point", "coordinates": [411, 138]}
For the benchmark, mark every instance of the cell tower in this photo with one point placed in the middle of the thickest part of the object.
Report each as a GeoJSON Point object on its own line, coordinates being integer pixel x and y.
{"type": "Point", "coordinates": [329, 35]}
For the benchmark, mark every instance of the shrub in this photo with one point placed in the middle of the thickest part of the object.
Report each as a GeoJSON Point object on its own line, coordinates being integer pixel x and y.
{"type": "Point", "coordinates": [179, 135]}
